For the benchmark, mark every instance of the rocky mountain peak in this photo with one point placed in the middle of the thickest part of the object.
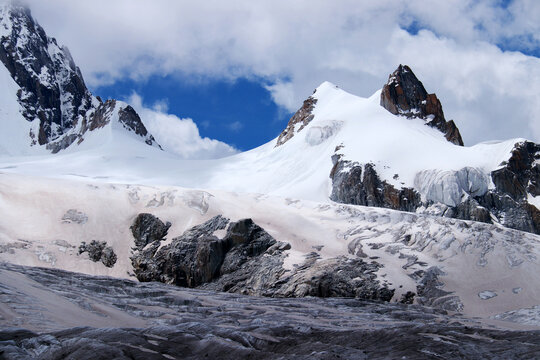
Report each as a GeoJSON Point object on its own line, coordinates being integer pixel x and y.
{"type": "Point", "coordinates": [405, 95]}
{"type": "Point", "coordinates": [52, 91]}
{"type": "Point", "coordinates": [52, 88]}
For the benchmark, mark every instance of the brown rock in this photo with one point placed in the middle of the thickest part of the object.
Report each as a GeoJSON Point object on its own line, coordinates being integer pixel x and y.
{"type": "Point", "coordinates": [405, 95]}
{"type": "Point", "coordinates": [303, 116]}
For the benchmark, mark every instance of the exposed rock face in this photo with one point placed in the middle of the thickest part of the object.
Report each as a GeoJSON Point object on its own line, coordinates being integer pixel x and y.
{"type": "Point", "coordinates": [300, 119]}
{"type": "Point", "coordinates": [515, 181]}
{"type": "Point", "coordinates": [461, 194]}
{"type": "Point", "coordinates": [198, 256]}
{"type": "Point", "coordinates": [52, 89]}
{"type": "Point", "coordinates": [99, 251]}
{"type": "Point", "coordinates": [147, 228]}
{"type": "Point", "coordinates": [520, 175]}
{"type": "Point", "coordinates": [250, 261]}
{"type": "Point", "coordinates": [132, 122]}
{"type": "Point", "coordinates": [404, 94]}
{"type": "Point", "coordinates": [470, 209]}
{"type": "Point", "coordinates": [337, 277]}
{"type": "Point", "coordinates": [355, 184]}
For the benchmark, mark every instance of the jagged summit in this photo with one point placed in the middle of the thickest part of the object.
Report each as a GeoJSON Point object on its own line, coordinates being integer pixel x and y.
{"type": "Point", "coordinates": [404, 94]}
{"type": "Point", "coordinates": [50, 88]}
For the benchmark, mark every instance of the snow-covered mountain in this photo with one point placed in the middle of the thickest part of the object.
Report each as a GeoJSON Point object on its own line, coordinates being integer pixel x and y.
{"type": "Point", "coordinates": [46, 106]}
{"type": "Point", "coordinates": [85, 187]}
{"type": "Point", "coordinates": [376, 151]}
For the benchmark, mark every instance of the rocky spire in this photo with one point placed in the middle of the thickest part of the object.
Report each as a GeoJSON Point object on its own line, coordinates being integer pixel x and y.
{"type": "Point", "coordinates": [404, 94]}
{"type": "Point", "coordinates": [52, 89]}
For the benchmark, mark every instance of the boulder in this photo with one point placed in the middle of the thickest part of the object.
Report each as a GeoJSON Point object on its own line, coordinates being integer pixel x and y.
{"type": "Point", "coordinates": [99, 251]}
{"type": "Point", "coordinates": [147, 228]}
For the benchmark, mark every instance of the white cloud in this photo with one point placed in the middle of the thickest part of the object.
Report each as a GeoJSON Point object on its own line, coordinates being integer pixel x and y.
{"type": "Point", "coordinates": [179, 136]}
{"type": "Point", "coordinates": [294, 46]}
{"type": "Point", "coordinates": [283, 93]}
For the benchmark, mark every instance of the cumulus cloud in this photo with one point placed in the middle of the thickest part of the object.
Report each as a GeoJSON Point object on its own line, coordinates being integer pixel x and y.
{"type": "Point", "coordinates": [292, 47]}
{"type": "Point", "coordinates": [179, 136]}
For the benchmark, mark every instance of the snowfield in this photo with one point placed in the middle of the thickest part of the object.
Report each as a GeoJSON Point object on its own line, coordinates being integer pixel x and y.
{"type": "Point", "coordinates": [356, 127]}
{"type": "Point", "coordinates": [45, 220]}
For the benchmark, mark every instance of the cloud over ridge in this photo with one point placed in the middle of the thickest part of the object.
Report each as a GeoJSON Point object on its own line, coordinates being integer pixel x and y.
{"type": "Point", "coordinates": [453, 46]}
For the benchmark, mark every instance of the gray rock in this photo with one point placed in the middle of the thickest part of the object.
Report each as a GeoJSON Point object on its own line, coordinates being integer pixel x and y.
{"type": "Point", "coordinates": [303, 116]}
{"type": "Point", "coordinates": [355, 184]}
{"type": "Point", "coordinates": [189, 260]}
{"type": "Point", "coordinates": [108, 257]}
{"type": "Point", "coordinates": [249, 261]}
{"type": "Point", "coordinates": [336, 277]}
{"type": "Point", "coordinates": [99, 251]}
{"type": "Point", "coordinates": [147, 228]}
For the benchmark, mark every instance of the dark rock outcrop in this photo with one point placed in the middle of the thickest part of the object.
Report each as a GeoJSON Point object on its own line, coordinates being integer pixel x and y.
{"type": "Point", "coordinates": [198, 257]}
{"type": "Point", "coordinates": [470, 209]}
{"type": "Point", "coordinates": [337, 277]}
{"type": "Point", "coordinates": [132, 122]}
{"type": "Point", "coordinates": [520, 175]}
{"type": "Point", "coordinates": [404, 94]}
{"type": "Point", "coordinates": [516, 180]}
{"type": "Point", "coordinates": [355, 184]}
{"type": "Point", "coordinates": [52, 89]}
{"type": "Point", "coordinates": [249, 261]}
{"type": "Point", "coordinates": [147, 228]}
{"type": "Point", "coordinates": [99, 251]}
{"type": "Point", "coordinates": [302, 117]}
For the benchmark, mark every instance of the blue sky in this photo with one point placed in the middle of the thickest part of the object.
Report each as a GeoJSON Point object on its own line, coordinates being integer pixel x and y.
{"type": "Point", "coordinates": [238, 112]}
{"type": "Point", "coordinates": [234, 71]}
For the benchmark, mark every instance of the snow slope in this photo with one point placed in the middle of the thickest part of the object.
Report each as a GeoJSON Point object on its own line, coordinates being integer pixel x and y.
{"type": "Point", "coordinates": [15, 135]}
{"type": "Point", "coordinates": [300, 168]}
{"type": "Point", "coordinates": [490, 269]}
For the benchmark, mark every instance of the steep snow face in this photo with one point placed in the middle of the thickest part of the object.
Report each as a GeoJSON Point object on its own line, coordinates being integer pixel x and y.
{"type": "Point", "coordinates": [15, 136]}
